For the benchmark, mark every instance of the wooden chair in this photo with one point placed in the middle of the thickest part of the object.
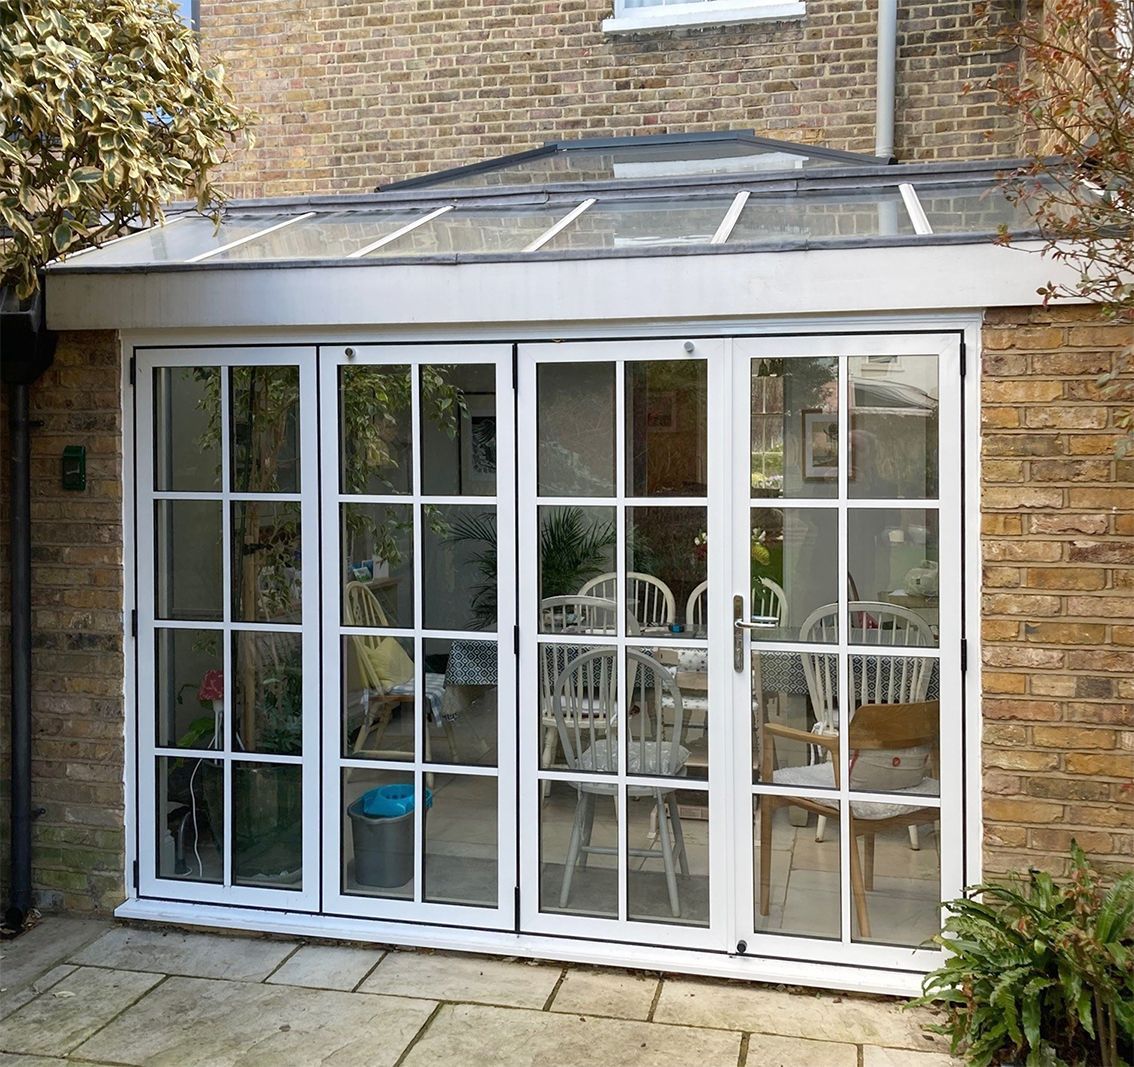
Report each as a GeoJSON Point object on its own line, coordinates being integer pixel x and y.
{"type": "Point", "coordinates": [911, 727]}
{"type": "Point", "coordinates": [587, 700]}
{"type": "Point", "coordinates": [649, 599]}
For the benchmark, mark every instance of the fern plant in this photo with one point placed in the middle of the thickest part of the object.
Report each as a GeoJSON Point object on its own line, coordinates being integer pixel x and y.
{"type": "Point", "coordinates": [1039, 972]}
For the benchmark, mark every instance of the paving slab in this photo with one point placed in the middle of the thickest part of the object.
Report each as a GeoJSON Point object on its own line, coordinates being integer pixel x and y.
{"type": "Point", "coordinates": [247, 959]}
{"type": "Point", "coordinates": [51, 941]}
{"type": "Point", "coordinates": [616, 994]}
{"type": "Point", "coordinates": [463, 978]}
{"type": "Point", "coordinates": [770, 1011]}
{"type": "Point", "coordinates": [200, 1022]}
{"type": "Point", "coordinates": [17, 998]}
{"type": "Point", "coordinates": [59, 1020]}
{"type": "Point", "coordinates": [339, 967]}
{"type": "Point", "coordinates": [475, 1035]}
{"type": "Point", "coordinates": [20, 1060]}
{"type": "Point", "coordinates": [873, 1056]}
{"type": "Point", "coordinates": [767, 1050]}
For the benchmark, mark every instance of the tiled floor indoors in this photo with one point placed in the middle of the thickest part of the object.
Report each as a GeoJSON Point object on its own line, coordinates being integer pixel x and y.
{"type": "Point", "coordinates": [75, 991]}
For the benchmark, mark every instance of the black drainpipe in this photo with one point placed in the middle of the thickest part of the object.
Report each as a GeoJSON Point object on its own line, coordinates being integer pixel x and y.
{"type": "Point", "coordinates": [26, 351]}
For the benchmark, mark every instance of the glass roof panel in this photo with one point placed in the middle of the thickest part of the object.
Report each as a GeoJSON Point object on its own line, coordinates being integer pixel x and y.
{"type": "Point", "coordinates": [685, 159]}
{"type": "Point", "coordinates": [177, 241]}
{"type": "Point", "coordinates": [333, 236]}
{"type": "Point", "coordinates": [971, 209]}
{"type": "Point", "coordinates": [792, 216]}
{"type": "Point", "coordinates": [643, 224]}
{"type": "Point", "coordinates": [475, 230]}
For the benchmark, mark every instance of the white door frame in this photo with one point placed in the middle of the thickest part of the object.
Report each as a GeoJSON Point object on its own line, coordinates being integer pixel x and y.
{"type": "Point", "coordinates": [335, 900]}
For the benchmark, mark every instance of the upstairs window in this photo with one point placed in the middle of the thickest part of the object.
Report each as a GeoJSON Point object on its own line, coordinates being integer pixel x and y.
{"type": "Point", "coordinates": [635, 16]}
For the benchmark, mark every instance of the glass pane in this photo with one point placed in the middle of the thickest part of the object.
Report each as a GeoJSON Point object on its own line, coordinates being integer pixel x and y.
{"type": "Point", "coordinates": [188, 559]}
{"type": "Point", "coordinates": [578, 707]}
{"type": "Point", "coordinates": [265, 429]}
{"type": "Point", "coordinates": [458, 430]}
{"type": "Point", "coordinates": [666, 562]}
{"type": "Point", "coordinates": [379, 697]}
{"type": "Point", "coordinates": [894, 743]}
{"type": "Point", "coordinates": [573, 817]}
{"type": "Point", "coordinates": [189, 697]}
{"type": "Point", "coordinates": [461, 701]}
{"type": "Point", "coordinates": [794, 553]}
{"type": "Point", "coordinates": [575, 429]}
{"type": "Point", "coordinates": [899, 901]}
{"type": "Point", "coordinates": [894, 422]}
{"type": "Point", "coordinates": [190, 819]}
{"type": "Point", "coordinates": [375, 430]}
{"type": "Point", "coordinates": [473, 230]}
{"type": "Point", "coordinates": [380, 810]}
{"type": "Point", "coordinates": [795, 718]}
{"type": "Point", "coordinates": [187, 429]}
{"type": "Point", "coordinates": [325, 236]}
{"type": "Point", "coordinates": [666, 417]}
{"type": "Point", "coordinates": [179, 240]}
{"type": "Point", "coordinates": [377, 564]}
{"type": "Point", "coordinates": [576, 560]}
{"type": "Point", "coordinates": [458, 571]}
{"type": "Point", "coordinates": [689, 670]}
{"type": "Point", "coordinates": [677, 823]}
{"type": "Point", "coordinates": [643, 224]}
{"type": "Point", "coordinates": [267, 809]}
{"type": "Point", "coordinates": [972, 209]}
{"type": "Point", "coordinates": [797, 216]}
{"type": "Point", "coordinates": [894, 573]}
{"type": "Point", "coordinates": [795, 427]}
{"type": "Point", "coordinates": [797, 877]}
{"type": "Point", "coordinates": [460, 840]}
{"type": "Point", "coordinates": [267, 692]}
{"type": "Point", "coordinates": [266, 575]}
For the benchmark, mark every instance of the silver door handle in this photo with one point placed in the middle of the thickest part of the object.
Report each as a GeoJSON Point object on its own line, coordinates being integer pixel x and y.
{"type": "Point", "coordinates": [766, 622]}
{"type": "Point", "coordinates": [738, 628]}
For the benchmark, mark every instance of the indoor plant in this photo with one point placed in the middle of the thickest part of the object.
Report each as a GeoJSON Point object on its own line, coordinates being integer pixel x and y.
{"type": "Point", "coordinates": [1040, 972]}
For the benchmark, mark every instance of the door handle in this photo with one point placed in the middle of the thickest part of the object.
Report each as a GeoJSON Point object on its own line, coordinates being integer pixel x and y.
{"type": "Point", "coordinates": [740, 624]}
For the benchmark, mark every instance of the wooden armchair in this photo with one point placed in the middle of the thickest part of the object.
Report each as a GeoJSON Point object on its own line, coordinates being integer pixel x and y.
{"type": "Point", "coordinates": [912, 727]}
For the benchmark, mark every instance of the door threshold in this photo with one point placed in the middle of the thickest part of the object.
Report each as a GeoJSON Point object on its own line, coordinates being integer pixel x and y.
{"type": "Point", "coordinates": [533, 946]}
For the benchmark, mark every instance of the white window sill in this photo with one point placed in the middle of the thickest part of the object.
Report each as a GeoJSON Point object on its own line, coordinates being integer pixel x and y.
{"type": "Point", "coordinates": [708, 14]}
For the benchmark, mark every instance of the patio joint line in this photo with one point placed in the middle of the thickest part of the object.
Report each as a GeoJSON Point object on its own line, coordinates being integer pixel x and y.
{"type": "Point", "coordinates": [657, 997]}
{"type": "Point", "coordinates": [264, 980]}
{"type": "Point", "coordinates": [555, 990]}
{"type": "Point", "coordinates": [383, 953]}
{"type": "Point", "coordinates": [118, 1014]}
{"type": "Point", "coordinates": [742, 1056]}
{"type": "Point", "coordinates": [420, 1033]}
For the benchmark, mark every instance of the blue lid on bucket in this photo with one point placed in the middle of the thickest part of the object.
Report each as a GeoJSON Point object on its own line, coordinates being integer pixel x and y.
{"type": "Point", "coordinates": [390, 801]}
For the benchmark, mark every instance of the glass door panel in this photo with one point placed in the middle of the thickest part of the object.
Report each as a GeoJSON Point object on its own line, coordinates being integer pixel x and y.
{"type": "Point", "coordinates": [847, 644]}
{"type": "Point", "coordinates": [616, 733]}
{"type": "Point", "coordinates": [231, 688]}
{"type": "Point", "coordinates": [419, 649]}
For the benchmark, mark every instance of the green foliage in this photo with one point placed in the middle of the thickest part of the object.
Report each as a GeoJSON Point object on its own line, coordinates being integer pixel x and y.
{"type": "Point", "coordinates": [1040, 972]}
{"type": "Point", "coordinates": [106, 114]}
{"type": "Point", "coordinates": [572, 550]}
{"type": "Point", "coordinates": [479, 530]}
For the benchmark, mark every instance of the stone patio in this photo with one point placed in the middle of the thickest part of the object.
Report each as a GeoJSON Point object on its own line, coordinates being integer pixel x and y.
{"type": "Point", "coordinates": [78, 991]}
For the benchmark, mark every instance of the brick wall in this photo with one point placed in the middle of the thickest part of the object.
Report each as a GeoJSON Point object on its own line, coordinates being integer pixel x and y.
{"type": "Point", "coordinates": [77, 710]}
{"type": "Point", "coordinates": [1058, 600]}
{"type": "Point", "coordinates": [350, 95]}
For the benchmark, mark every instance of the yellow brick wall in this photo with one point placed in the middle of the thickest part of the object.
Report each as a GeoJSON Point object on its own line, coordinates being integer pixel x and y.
{"type": "Point", "coordinates": [352, 95]}
{"type": "Point", "coordinates": [1058, 598]}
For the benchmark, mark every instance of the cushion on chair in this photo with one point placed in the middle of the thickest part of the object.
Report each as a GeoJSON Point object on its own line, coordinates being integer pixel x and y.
{"type": "Point", "coordinates": [885, 770]}
{"type": "Point", "coordinates": [641, 759]}
{"type": "Point", "coordinates": [389, 663]}
{"type": "Point", "coordinates": [822, 776]}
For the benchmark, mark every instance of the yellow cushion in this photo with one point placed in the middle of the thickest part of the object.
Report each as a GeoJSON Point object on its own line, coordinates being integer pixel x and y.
{"type": "Point", "coordinates": [386, 663]}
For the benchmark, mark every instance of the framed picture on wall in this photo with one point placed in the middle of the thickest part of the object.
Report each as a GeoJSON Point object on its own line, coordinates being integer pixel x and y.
{"type": "Point", "coordinates": [820, 445]}
{"type": "Point", "coordinates": [478, 444]}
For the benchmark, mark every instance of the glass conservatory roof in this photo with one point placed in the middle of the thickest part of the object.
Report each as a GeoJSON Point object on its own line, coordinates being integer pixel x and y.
{"type": "Point", "coordinates": [592, 199]}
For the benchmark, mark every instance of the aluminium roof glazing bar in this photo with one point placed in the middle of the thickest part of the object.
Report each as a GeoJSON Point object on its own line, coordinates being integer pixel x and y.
{"type": "Point", "coordinates": [251, 237]}
{"type": "Point", "coordinates": [729, 220]}
{"type": "Point", "coordinates": [916, 211]}
{"type": "Point", "coordinates": [560, 226]}
{"type": "Point", "coordinates": [400, 232]}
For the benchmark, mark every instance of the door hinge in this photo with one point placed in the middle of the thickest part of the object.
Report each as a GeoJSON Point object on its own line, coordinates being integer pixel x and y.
{"type": "Point", "coordinates": [964, 359]}
{"type": "Point", "coordinates": [133, 370]}
{"type": "Point", "coordinates": [964, 654]}
{"type": "Point", "coordinates": [516, 640]}
{"type": "Point", "coordinates": [135, 874]}
{"type": "Point", "coordinates": [133, 622]}
{"type": "Point", "coordinates": [515, 365]}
